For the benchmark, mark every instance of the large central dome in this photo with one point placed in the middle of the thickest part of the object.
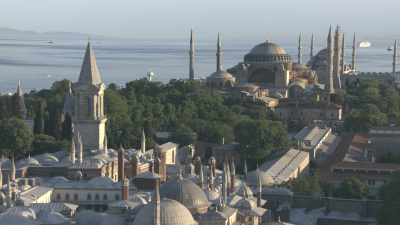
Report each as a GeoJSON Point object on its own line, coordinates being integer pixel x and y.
{"type": "Point", "coordinates": [267, 52]}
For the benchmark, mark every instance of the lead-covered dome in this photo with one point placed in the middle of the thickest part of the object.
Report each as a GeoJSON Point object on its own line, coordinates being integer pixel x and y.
{"type": "Point", "coordinates": [186, 192]}
{"type": "Point", "coordinates": [171, 213]}
{"type": "Point", "coordinates": [267, 52]}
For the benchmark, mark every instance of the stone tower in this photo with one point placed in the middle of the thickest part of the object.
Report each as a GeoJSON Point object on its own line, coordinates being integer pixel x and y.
{"type": "Point", "coordinates": [219, 54]}
{"type": "Point", "coordinates": [394, 63]}
{"type": "Point", "coordinates": [88, 103]}
{"type": "Point", "coordinates": [312, 46]}
{"type": "Point", "coordinates": [191, 56]}
{"type": "Point", "coordinates": [353, 55]}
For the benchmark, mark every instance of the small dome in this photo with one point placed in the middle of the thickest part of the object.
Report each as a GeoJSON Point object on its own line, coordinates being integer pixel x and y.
{"type": "Point", "coordinates": [28, 162]}
{"type": "Point", "coordinates": [22, 212]}
{"type": "Point", "coordinates": [172, 213]}
{"type": "Point", "coordinates": [186, 192]}
{"type": "Point", "coordinates": [266, 179]}
{"type": "Point", "coordinates": [246, 203]}
{"type": "Point", "coordinates": [212, 195]}
{"type": "Point", "coordinates": [221, 78]}
{"type": "Point", "coordinates": [57, 180]}
{"type": "Point", "coordinates": [47, 158]}
{"type": "Point", "coordinates": [93, 218]}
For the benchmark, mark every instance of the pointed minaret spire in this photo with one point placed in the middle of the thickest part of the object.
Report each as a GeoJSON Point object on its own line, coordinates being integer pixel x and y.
{"type": "Point", "coordinates": [191, 56]}
{"type": "Point", "coordinates": [20, 108]}
{"type": "Point", "coordinates": [342, 56]}
{"type": "Point", "coordinates": [219, 54]}
{"type": "Point", "coordinates": [353, 55]}
{"type": "Point", "coordinates": [299, 49]}
{"type": "Point", "coordinates": [394, 63]}
{"type": "Point", "coordinates": [89, 71]}
{"type": "Point", "coordinates": [312, 46]}
{"type": "Point", "coordinates": [72, 152]}
{"type": "Point", "coordinates": [329, 84]}
{"type": "Point", "coordinates": [143, 142]}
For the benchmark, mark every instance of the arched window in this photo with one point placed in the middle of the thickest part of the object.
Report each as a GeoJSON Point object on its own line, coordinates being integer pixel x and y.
{"type": "Point", "coordinates": [89, 197]}
{"type": "Point", "coordinates": [97, 197]}
{"type": "Point", "coordinates": [76, 197]}
{"type": "Point", "coordinates": [67, 197]}
{"type": "Point", "coordinates": [105, 197]}
{"type": "Point", "coordinates": [116, 197]}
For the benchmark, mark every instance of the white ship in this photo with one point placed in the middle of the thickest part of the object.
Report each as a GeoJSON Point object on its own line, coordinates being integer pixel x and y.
{"type": "Point", "coordinates": [364, 44]}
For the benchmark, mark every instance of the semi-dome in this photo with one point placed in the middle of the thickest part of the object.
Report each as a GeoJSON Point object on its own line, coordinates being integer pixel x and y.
{"type": "Point", "coordinates": [101, 182]}
{"type": "Point", "coordinates": [267, 52]}
{"type": "Point", "coordinates": [171, 213]}
{"type": "Point", "coordinates": [186, 192]}
{"type": "Point", "coordinates": [52, 218]}
{"type": "Point", "coordinates": [221, 78]}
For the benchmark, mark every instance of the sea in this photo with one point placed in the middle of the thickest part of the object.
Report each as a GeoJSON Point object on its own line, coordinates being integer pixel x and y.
{"type": "Point", "coordinates": [37, 63]}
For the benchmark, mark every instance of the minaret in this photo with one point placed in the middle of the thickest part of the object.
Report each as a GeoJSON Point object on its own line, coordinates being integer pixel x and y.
{"type": "Point", "coordinates": [211, 179]}
{"type": "Point", "coordinates": [232, 176]}
{"type": "Point", "coordinates": [121, 166]}
{"type": "Point", "coordinates": [219, 54]}
{"type": "Point", "coordinates": [259, 191]}
{"type": "Point", "coordinates": [201, 177]}
{"type": "Point", "coordinates": [125, 190]}
{"type": "Point", "coordinates": [299, 48]}
{"type": "Point", "coordinates": [329, 85]}
{"type": "Point", "coordinates": [312, 46]}
{"type": "Point", "coordinates": [353, 54]}
{"type": "Point", "coordinates": [20, 108]}
{"type": "Point", "coordinates": [13, 169]}
{"type": "Point", "coordinates": [80, 147]}
{"type": "Point", "coordinates": [342, 56]}
{"type": "Point", "coordinates": [157, 202]}
{"type": "Point", "coordinates": [1, 177]}
{"type": "Point", "coordinates": [88, 103]}
{"type": "Point", "coordinates": [336, 59]}
{"type": "Point", "coordinates": [72, 152]}
{"type": "Point", "coordinates": [394, 59]}
{"type": "Point", "coordinates": [245, 169]}
{"type": "Point", "coordinates": [191, 56]}
{"type": "Point", "coordinates": [105, 145]}
{"type": "Point", "coordinates": [143, 142]}
{"type": "Point", "coordinates": [224, 185]}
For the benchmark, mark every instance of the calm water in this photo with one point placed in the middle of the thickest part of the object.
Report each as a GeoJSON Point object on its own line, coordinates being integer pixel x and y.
{"type": "Point", "coordinates": [37, 63]}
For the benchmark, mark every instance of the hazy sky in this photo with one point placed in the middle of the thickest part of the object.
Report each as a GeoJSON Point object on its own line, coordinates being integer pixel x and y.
{"type": "Point", "coordinates": [236, 19]}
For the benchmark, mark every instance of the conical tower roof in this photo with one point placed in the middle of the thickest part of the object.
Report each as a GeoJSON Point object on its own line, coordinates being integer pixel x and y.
{"type": "Point", "coordinates": [89, 71]}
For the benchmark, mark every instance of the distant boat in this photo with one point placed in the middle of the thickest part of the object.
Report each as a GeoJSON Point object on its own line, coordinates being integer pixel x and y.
{"type": "Point", "coordinates": [50, 42]}
{"type": "Point", "coordinates": [364, 44]}
{"type": "Point", "coordinates": [390, 48]}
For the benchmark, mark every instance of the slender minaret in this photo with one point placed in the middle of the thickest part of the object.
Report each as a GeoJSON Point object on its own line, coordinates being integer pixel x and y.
{"type": "Point", "coordinates": [245, 169]}
{"type": "Point", "coordinates": [394, 59]}
{"type": "Point", "coordinates": [329, 85]}
{"type": "Point", "coordinates": [336, 59]}
{"type": "Point", "coordinates": [211, 179]}
{"type": "Point", "coordinates": [219, 54]}
{"type": "Point", "coordinates": [1, 178]}
{"type": "Point", "coordinates": [232, 176]}
{"type": "Point", "coordinates": [20, 108]}
{"type": "Point", "coordinates": [353, 54]}
{"type": "Point", "coordinates": [80, 147]}
{"type": "Point", "coordinates": [105, 145]}
{"type": "Point", "coordinates": [13, 169]}
{"type": "Point", "coordinates": [143, 143]}
{"type": "Point", "coordinates": [121, 165]}
{"type": "Point", "coordinates": [72, 152]}
{"type": "Point", "coordinates": [342, 57]}
{"type": "Point", "coordinates": [224, 185]}
{"type": "Point", "coordinates": [201, 177]}
{"type": "Point", "coordinates": [191, 56]}
{"type": "Point", "coordinates": [259, 191]}
{"type": "Point", "coordinates": [312, 46]}
{"type": "Point", "coordinates": [228, 178]}
{"type": "Point", "coordinates": [157, 202]}
{"type": "Point", "coordinates": [299, 48]}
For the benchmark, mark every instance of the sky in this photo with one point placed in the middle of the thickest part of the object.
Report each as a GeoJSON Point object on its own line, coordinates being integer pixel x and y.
{"type": "Point", "coordinates": [236, 19]}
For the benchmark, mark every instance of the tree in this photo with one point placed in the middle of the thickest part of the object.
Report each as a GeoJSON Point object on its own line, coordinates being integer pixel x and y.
{"type": "Point", "coordinates": [16, 137]}
{"type": "Point", "coordinates": [184, 135]}
{"type": "Point", "coordinates": [351, 188]}
{"type": "Point", "coordinates": [258, 138]}
{"type": "Point", "coordinates": [43, 143]}
{"type": "Point", "coordinates": [390, 194]}
{"type": "Point", "coordinates": [307, 185]}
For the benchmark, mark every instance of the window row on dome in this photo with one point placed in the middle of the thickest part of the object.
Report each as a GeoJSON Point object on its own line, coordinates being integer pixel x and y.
{"type": "Point", "coordinates": [263, 58]}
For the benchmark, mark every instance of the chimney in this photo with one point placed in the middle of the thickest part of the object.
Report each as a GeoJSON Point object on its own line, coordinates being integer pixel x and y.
{"type": "Point", "coordinates": [125, 189]}
{"type": "Point", "coordinates": [121, 167]}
